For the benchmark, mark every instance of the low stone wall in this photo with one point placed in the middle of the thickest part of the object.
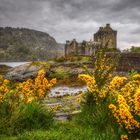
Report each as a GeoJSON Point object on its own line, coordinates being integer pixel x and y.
{"type": "Point", "coordinates": [127, 61]}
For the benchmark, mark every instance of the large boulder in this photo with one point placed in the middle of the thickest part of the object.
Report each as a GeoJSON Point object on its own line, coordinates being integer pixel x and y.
{"type": "Point", "coordinates": [23, 72]}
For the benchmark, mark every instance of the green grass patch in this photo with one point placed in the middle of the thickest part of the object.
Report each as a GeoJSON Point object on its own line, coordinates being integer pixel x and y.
{"type": "Point", "coordinates": [70, 130]}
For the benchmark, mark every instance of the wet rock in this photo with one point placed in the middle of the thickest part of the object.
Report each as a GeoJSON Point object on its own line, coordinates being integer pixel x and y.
{"type": "Point", "coordinates": [64, 116]}
{"type": "Point", "coordinates": [53, 104]}
{"type": "Point", "coordinates": [65, 91]}
{"type": "Point", "coordinates": [23, 72]}
{"type": "Point", "coordinates": [4, 69]}
{"type": "Point", "coordinates": [61, 116]}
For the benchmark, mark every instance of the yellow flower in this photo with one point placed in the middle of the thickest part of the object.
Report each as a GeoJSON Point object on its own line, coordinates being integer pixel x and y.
{"type": "Point", "coordinates": [136, 77]}
{"type": "Point", "coordinates": [35, 89]}
{"type": "Point", "coordinates": [102, 94]}
{"type": "Point", "coordinates": [4, 88]}
{"type": "Point", "coordinates": [123, 114]}
{"type": "Point", "coordinates": [137, 102]}
{"type": "Point", "coordinates": [90, 82]}
{"type": "Point", "coordinates": [29, 100]}
{"type": "Point", "coordinates": [117, 82]}
{"type": "Point", "coordinates": [124, 137]}
{"type": "Point", "coordinates": [112, 107]}
{"type": "Point", "coordinates": [53, 81]}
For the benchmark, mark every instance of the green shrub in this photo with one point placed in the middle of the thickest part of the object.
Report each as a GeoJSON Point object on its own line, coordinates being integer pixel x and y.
{"type": "Point", "coordinates": [34, 116]}
{"type": "Point", "coordinates": [25, 117]}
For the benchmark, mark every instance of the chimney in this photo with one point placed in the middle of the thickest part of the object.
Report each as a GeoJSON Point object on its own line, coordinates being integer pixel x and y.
{"type": "Point", "coordinates": [74, 39]}
{"type": "Point", "coordinates": [107, 25]}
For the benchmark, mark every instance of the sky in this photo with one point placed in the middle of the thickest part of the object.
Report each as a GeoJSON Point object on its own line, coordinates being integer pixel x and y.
{"type": "Point", "coordinates": [80, 19]}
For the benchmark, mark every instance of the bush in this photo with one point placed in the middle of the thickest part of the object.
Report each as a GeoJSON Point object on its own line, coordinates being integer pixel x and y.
{"type": "Point", "coordinates": [33, 116]}
{"type": "Point", "coordinates": [21, 105]}
{"type": "Point", "coordinates": [26, 117]}
{"type": "Point", "coordinates": [112, 102]}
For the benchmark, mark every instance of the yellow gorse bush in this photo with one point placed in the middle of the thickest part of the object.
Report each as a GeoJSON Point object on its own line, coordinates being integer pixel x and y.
{"type": "Point", "coordinates": [29, 90]}
{"type": "Point", "coordinates": [123, 115]}
{"type": "Point", "coordinates": [117, 82]}
{"type": "Point", "coordinates": [35, 89]}
{"type": "Point", "coordinates": [4, 88]}
{"type": "Point", "coordinates": [137, 102]}
{"type": "Point", "coordinates": [114, 99]}
{"type": "Point", "coordinates": [127, 107]}
{"type": "Point", "coordinates": [90, 81]}
{"type": "Point", "coordinates": [124, 93]}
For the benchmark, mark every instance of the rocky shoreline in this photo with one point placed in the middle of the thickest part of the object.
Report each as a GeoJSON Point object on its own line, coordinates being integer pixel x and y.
{"type": "Point", "coordinates": [65, 72]}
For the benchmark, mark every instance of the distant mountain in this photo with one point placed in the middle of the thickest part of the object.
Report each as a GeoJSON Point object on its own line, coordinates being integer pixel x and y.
{"type": "Point", "coordinates": [21, 44]}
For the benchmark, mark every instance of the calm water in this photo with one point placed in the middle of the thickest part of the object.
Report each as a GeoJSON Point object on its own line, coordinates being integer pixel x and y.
{"type": "Point", "coordinates": [13, 64]}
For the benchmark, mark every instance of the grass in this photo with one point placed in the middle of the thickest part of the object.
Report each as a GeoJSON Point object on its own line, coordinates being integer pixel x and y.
{"type": "Point", "coordinates": [70, 130]}
{"type": "Point", "coordinates": [60, 131]}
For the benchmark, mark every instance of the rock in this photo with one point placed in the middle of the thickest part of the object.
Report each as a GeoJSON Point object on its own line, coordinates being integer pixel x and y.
{"type": "Point", "coordinates": [66, 91]}
{"type": "Point", "coordinates": [23, 72]}
{"type": "Point", "coordinates": [4, 69]}
{"type": "Point", "coordinates": [64, 116]}
{"type": "Point", "coordinates": [61, 116]}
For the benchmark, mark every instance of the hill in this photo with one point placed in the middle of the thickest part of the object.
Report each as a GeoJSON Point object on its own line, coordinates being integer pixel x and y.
{"type": "Point", "coordinates": [21, 44]}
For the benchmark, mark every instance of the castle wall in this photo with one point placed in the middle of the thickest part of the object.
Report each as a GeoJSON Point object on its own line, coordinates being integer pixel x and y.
{"type": "Point", "coordinates": [127, 61]}
{"type": "Point", "coordinates": [71, 48]}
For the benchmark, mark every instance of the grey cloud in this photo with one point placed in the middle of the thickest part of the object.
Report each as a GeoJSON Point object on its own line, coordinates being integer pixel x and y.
{"type": "Point", "coordinates": [67, 19]}
{"type": "Point", "coordinates": [136, 31]}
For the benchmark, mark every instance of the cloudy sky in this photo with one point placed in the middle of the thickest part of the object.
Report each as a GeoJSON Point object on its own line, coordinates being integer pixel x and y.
{"type": "Point", "coordinates": [68, 19]}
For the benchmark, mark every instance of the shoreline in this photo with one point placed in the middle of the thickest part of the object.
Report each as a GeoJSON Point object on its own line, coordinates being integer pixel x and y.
{"type": "Point", "coordinates": [13, 64]}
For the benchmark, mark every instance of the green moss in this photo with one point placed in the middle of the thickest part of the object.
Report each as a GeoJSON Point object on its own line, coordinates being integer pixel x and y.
{"type": "Point", "coordinates": [59, 75]}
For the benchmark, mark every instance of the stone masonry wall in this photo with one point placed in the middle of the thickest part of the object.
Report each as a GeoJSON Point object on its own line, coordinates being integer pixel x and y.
{"type": "Point", "coordinates": [128, 61]}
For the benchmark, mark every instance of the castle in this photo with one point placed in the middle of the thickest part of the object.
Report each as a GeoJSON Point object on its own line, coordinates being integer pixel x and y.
{"type": "Point", "coordinates": [104, 37]}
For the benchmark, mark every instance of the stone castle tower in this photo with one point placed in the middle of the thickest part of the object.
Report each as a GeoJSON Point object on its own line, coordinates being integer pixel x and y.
{"type": "Point", "coordinates": [104, 37]}
{"type": "Point", "coordinates": [107, 36]}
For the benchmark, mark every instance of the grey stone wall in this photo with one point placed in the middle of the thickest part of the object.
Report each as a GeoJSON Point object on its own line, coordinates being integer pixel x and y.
{"type": "Point", "coordinates": [127, 61]}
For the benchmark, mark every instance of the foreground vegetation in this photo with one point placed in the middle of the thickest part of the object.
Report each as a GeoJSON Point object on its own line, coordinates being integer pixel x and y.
{"type": "Point", "coordinates": [64, 130]}
{"type": "Point", "coordinates": [110, 107]}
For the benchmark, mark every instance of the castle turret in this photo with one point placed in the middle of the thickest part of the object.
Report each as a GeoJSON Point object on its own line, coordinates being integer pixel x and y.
{"type": "Point", "coordinates": [107, 36]}
{"type": "Point", "coordinates": [108, 25]}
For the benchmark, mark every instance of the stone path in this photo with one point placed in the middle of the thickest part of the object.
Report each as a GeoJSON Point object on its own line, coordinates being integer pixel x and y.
{"type": "Point", "coordinates": [63, 102]}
